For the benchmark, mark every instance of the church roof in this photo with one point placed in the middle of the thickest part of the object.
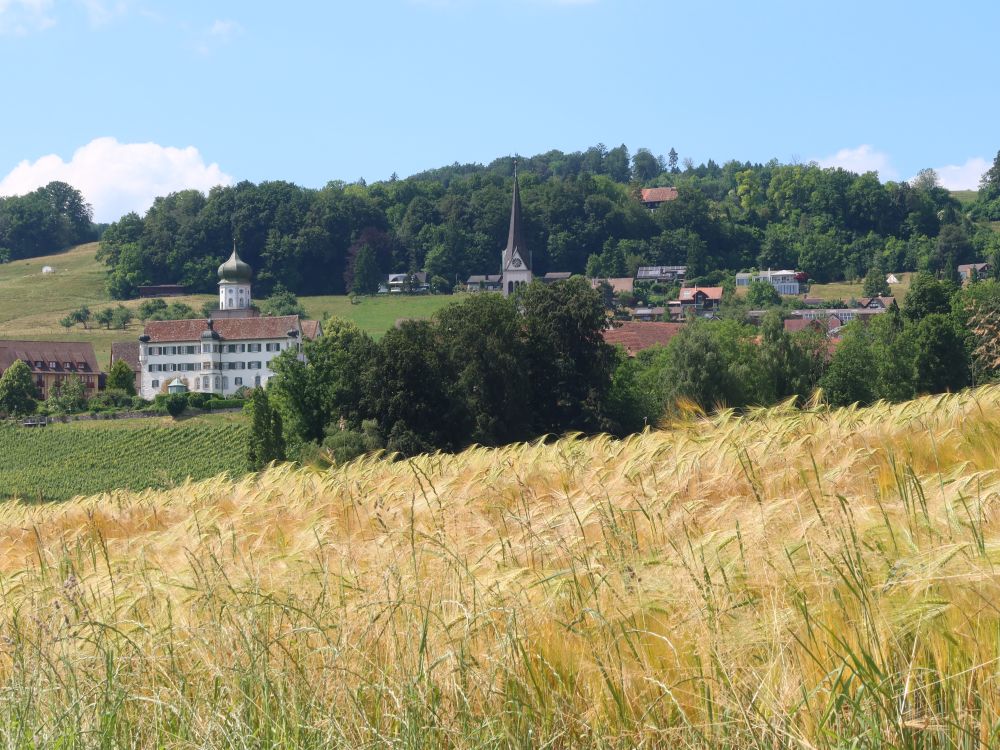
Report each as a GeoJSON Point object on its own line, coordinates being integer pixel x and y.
{"type": "Point", "coordinates": [515, 240]}
{"type": "Point", "coordinates": [235, 270]}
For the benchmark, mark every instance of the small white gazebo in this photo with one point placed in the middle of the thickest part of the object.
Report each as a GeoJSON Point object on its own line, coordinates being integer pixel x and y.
{"type": "Point", "coordinates": [177, 386]}
{"type": "Point", "coordinates": [891, 279]}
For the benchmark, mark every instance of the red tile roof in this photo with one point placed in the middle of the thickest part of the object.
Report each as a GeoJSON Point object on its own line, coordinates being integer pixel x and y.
{"type": "Point", "coordinates": [128, 351]}
{"type": "Point", "coordinates": [59, 352]}
{"type": "Point", "coordinates": [712, 292]}
{"type": "Point", "coordinates": [310, 329]}
{"type": "Point", "coordinates": [229, 329]}
{"type": "Point", "coordinates": [636, 336]}
{"type": "Point", "coordinates": [658, 195]}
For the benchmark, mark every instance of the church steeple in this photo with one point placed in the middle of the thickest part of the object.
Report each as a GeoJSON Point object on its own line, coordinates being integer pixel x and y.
{"type": "Point", "coordinates": [515, 260]}
{"type": "Point", "coordinates": [515, 241]}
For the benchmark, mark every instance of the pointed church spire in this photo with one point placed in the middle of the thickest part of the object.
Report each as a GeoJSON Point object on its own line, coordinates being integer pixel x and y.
{"type": "Point", "coordinates": [515, 242]}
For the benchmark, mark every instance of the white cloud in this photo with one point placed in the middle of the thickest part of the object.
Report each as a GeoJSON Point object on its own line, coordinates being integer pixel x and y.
{"type": "Point", "coordinates": [862, 159]}
{"type": "Point", "coordinates": [22, 17]}
{"type": "Point", "coordinates": [962, 176]}
{"type": "Point", "coordinates": [116, 178]}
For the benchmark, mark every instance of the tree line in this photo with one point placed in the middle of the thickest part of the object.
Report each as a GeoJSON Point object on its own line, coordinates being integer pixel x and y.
{"type": "Point", "coordinates": [581, 214]}
{"type": "Point", "coordinates": [491, 370]}
{"type": "Point", "coordinates": [46, 220]}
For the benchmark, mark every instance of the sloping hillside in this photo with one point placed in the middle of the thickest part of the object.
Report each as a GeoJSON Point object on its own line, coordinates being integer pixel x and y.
{"type": "Point", "coordinates": [32, 303]}
{"type": "Point", "coordinates": [785, 580]}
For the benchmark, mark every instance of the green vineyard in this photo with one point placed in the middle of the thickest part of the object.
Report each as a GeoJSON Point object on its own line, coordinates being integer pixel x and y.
{"type": "Point", "coordinates": [62, 461]}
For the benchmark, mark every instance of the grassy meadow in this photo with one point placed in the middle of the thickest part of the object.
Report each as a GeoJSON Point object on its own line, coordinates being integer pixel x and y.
{"type": "Point", "coordinates": [788, 579]}
{"type": "Point", "coordinates": [32, 303]}
{"type": "Point", "coordinates": [82, 458]}
{"type": "Point", "coordinates": [847, 291]}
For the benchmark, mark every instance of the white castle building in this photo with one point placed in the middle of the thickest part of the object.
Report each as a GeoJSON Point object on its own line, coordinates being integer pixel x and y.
{"type": "Point", "coordinates": [224, 353]}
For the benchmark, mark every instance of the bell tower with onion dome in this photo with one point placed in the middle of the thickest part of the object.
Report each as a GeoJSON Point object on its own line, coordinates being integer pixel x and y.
{"type": "Point", "coordinates": [234, 283]}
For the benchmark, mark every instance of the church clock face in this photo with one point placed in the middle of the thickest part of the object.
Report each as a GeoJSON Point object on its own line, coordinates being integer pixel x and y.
{"type": "Point", "coordinates": [516, 263]}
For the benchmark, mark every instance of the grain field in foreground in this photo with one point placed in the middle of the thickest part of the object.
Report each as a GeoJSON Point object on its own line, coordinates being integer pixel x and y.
{"type": "Point", "coordinates": [811, 579]}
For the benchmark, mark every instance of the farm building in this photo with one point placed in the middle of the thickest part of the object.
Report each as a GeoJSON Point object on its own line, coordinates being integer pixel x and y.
{"type": "Point", "coordinates": [53, 362]}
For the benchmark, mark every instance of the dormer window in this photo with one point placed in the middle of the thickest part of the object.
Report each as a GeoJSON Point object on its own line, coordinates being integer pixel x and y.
{"type": "Point", "coordinates": [68, 365]}
{"type": "Point", "coordinates": [81, 365]}
{"type": "Point", "coordinates": [39, 364]}
{"type": "Point", "coordinates": [53, 365]}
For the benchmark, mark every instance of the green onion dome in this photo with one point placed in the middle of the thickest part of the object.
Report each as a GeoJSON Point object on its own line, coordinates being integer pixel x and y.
{"type": "Point", "coordinates": [235, 270]}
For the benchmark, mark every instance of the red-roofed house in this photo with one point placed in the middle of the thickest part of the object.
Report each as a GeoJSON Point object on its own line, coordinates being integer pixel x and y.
{"type": "Point", "coordinates": [652, 198]}
{"type": "Point", "coordinates": [634, 336]}
{"type": "Point", "coordinates": [702, 300]}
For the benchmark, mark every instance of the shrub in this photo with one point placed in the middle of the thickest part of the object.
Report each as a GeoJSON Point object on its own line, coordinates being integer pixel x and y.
{"type": "Point", "coordinates": [175, 404]}
{"type": "Point", "coordinates": [223, 403]}
{"type": "Point", "coordinates": [198, 400]}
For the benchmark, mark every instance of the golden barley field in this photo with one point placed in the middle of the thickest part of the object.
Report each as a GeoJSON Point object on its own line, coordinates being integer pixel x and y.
{"type": "Point", "coordinates": [800, 579]}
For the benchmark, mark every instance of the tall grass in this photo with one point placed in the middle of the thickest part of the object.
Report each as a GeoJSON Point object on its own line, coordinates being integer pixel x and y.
{"type": "Point", "coordinates": [813, 579]}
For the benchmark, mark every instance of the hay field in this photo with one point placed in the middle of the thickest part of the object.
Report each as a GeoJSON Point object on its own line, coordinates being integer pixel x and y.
{"type": "Point", "coordinates": [817, 579]}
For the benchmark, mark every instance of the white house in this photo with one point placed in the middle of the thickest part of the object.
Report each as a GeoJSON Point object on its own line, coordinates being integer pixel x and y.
{"type": "Point", "coordinates": [783, 281]}
{"type": "Point", "coordinates": [219, 355]}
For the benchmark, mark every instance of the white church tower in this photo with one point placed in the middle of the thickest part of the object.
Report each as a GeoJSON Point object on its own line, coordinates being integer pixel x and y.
{"type": "Point", "coordinates": [515, 261]}
{"type": "Point", "coordinates": [234, 283]}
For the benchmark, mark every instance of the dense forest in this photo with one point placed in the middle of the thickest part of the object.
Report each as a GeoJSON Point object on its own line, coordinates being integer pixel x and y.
{"type": "Point", "coordinates": [581, 214]}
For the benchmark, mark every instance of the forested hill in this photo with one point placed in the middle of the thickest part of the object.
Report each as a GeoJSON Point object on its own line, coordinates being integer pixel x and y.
{"type": "Point", "coordinates": [581, 213]}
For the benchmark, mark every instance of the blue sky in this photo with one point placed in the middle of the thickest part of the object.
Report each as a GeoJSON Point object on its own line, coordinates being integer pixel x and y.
{"type": "Point", "coordinates": [129, 99]}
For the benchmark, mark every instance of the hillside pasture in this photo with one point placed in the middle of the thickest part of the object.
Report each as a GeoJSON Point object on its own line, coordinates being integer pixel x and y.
{"type": "Point", "coordinates": [847, 291]}
{"type": "Point", "coordinates": [788, 579]}
{"type": "Point", "coordinates": [33, 303]}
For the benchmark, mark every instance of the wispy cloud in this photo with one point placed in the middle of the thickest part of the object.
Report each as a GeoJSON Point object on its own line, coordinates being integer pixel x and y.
{"type": "Point", "coordinates": [102, 12]}
{"type": "Point", "coordinates": [116, 178]}
{"type": "Point", "coordinates": [864, 158]}
{"type": "Point", "coordinates": [221, 32]}
{"type": "Point", "coordinates": [23, 17]}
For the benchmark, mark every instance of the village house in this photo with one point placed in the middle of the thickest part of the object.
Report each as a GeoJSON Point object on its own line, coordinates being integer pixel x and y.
{"type": "Point", "coordinates": [653, 198]}
{"type": "Point", "coordinates": [966, 271]}
{"type": "Point", "coordinates": [54, 362]}
{"type": "Point", "coordinates": [785, 282]}
{"type": "Point", "coordinates": [643, 313]}
{"type": "Point", "coordinates": [703, 301]}
{"type": "Point", "coordinates": [414, 283]}
{"type": "Point", "coordinates": [129, 352]}
{"type": "Point", "coordinates": [660, 274]}
{"type": "Point", "coordinates": [224, 353]}
{"type": "Point", "coordinates": [876, 303]}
